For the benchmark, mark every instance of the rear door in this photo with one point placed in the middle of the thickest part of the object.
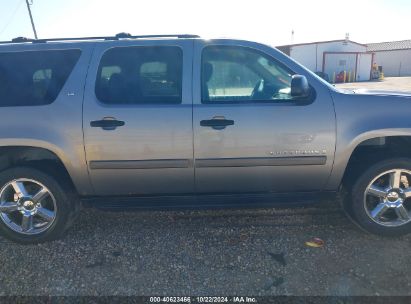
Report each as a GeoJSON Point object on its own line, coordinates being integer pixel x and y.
{"type": "Point", "coordinates": [250, 135]}
{"type": "Point", "coordinates": [138, 118]}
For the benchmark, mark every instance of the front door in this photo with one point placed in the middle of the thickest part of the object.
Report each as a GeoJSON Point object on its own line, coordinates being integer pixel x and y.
{"type": "Point", "coordinates": [250, 134]}
{"type": "Point", "coordinates": [138, 118]}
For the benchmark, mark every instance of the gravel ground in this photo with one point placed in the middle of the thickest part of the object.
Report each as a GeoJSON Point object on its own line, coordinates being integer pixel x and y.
{"type": "Point", "coordinates": [220, 252]}
{"type": "Point", "coordinates": [224, 252]}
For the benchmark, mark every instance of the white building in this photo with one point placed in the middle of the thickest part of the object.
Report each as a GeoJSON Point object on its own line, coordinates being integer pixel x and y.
{"type": "Point", "coordinates": [341, 60]}
{"type": "Point", "coordinates": [394, 57]}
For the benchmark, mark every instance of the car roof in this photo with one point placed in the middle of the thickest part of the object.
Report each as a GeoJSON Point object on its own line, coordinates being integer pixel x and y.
{"type": "Point", "coordinates": [120, 36]}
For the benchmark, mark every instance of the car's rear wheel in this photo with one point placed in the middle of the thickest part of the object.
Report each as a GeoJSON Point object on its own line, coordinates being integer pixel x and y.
{"type": "Point", "coordinates": [34, 207]}
{"type": "Point", "coordinates": [381, 198]}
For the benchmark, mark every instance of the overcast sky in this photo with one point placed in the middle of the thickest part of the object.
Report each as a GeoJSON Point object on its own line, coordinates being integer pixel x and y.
{"type": "Point", "coordinates": [269, 22]}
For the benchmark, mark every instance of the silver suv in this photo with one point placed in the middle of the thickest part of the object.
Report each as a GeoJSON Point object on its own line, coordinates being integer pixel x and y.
{"type": "Point", "coordinates": [166, 121]}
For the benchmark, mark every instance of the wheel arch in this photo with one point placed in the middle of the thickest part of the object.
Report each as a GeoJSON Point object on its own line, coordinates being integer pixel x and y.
{"type": "Point", "coordinates": [365, 150]}
{"type": "Point", "coordinates": [42, 156]}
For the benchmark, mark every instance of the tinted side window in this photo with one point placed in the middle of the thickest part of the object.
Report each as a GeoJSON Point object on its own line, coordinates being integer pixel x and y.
{"type": "Point", "coordinates": [34, 77]}
{"type": "Point", "coordinates": [140, 75]}
{"type": "Point", "coordinates": [238, 74]}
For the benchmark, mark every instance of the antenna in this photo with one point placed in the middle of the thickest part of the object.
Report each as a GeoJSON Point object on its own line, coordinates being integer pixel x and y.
{"type": "Point", "coordinates": [292, 36]}
{"type": "Point", "coordinates": [31, 18]}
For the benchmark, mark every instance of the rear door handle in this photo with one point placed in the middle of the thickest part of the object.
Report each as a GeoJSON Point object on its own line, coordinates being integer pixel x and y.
{"type": "Point", "coordinates": [107, 123]}
{"type": "Point", "coordinates": [217, 122]}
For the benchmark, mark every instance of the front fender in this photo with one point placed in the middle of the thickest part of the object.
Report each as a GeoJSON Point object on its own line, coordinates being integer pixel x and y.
{"type": "Point", "coordinates": [363, 117]}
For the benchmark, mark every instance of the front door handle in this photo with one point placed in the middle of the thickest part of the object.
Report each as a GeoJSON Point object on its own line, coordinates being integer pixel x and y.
{"type": "Point", "coordinates": [217, 122]}
{"type": "Point", "coordinates": [107, 123]}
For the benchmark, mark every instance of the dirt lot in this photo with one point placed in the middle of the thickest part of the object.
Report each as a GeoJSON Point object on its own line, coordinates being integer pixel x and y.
{"type": "Point", "coordinates": [389, 84]}
{"type": "Point", "coordinates": [229, 252]}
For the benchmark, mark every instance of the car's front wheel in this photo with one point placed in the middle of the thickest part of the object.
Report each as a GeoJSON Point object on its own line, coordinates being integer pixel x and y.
{"type": "Point", "coordinates": [381, 198]}
{"type": "Point", "coordinates": [34, 207]}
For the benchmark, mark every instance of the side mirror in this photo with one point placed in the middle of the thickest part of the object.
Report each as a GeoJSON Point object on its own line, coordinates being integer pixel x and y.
{"type": "Point", "coordinates": [299, 86]}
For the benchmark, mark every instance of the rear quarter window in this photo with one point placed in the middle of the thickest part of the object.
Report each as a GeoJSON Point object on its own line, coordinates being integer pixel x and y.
{"type": "Point", "coordinates": [34, 78]}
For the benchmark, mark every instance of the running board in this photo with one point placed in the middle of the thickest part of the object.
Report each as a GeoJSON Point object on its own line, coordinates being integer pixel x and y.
{"type": "Point", "coordinates": [209, 201]}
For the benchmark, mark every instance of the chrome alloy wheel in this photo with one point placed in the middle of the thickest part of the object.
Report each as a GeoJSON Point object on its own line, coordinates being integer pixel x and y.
{"type": "Point", "coordinates": [27, 206]}
{"type": "Point", "coordinates": [387, 199]}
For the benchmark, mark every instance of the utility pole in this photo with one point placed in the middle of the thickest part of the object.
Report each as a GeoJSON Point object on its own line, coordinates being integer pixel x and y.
{"type": "Point", "coordinates": [31, 19]}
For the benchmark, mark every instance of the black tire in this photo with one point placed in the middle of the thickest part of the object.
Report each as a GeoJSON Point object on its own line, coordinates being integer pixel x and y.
{"type": "Point", "coordinates": [356, 207]}
{"type": "Point", "coordinates": [67, 205]}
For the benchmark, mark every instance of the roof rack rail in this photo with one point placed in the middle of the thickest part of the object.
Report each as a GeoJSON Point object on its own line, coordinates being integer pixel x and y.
{"type": "Point", "coordinates": [21, 39]}
{"type": "Point", "coordinates": [118, 36]}
{"type": "Point", "coordinates": [123, 35]}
